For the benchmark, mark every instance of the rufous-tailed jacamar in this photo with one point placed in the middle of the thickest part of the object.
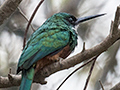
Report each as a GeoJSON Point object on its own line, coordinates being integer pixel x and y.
{"type": "Point", "coordinates": [55, 39]}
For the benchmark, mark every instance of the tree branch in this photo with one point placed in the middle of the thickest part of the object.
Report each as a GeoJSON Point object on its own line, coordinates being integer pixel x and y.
{"type": "Point", "coordinates": [31, 18]}
{"type": "Point", "coordinates": [92, 59]}
{"type": "Point", "coordinates": [70, 62]}
{"type": "Point", "coordinates": [90, 73]}
{"type": "Point", "coordinates": [116, 87]}
{"type": "Point", "coordinates": [7, 8]}
{"type": "Point", "coordinates": [11, 80]}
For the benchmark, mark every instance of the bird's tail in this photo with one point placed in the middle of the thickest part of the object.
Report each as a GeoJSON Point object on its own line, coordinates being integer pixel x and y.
{"type": "Point", "coordinates": [27, 78]}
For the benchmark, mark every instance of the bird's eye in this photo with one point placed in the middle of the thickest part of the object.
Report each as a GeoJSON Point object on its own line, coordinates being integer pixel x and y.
{"type": "Point", "coordinates": [72, 19]}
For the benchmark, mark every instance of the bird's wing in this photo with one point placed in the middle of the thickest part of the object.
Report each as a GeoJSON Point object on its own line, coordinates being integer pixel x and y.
{"type": "Point", "coordinates": [39, 46]}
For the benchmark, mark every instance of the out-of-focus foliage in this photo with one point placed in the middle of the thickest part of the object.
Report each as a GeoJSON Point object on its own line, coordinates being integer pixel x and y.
{"type": "Point", "coordinates": [92, 32]}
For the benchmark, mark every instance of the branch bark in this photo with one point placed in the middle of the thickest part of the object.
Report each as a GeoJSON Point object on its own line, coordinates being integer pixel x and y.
{"type": "Point", "coordinates": [7, 8]}
{"type": "Point", "coordinates": [116, 87]}
{"type": "Point", "coordinates": [70, 62]}
{"type": "Point", "coordinates": [11, 80]}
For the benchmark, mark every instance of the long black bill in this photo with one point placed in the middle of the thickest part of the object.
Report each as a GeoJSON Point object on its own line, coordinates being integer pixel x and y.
{"type": "Point", "coordinates": [82, 19]}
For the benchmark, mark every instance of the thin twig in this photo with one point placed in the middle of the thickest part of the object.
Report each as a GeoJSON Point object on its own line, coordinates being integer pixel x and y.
{"type": "Point", "coordinates": [76, 71]}
{"type": "Point", "coordinates": [25, 35]}
{"type": "Point", "coordinates": [90, 73]}
{"type": "Point", "coordinates": [116, 21]}
{"type": "Point", "coordinates": [101, 85]}
{"type": "Point", "coordinates": [21, 12]}
{"type": "Point", "coordinates": [83, 47]}
{"type": "Point", "coordinates": [10, 70]}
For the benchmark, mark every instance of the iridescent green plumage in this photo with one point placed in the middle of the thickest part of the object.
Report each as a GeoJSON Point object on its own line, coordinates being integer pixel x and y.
{"type": "Point", "coordinates": [51, 36]}
{"type": "Point", "coordinates": [55, 34]}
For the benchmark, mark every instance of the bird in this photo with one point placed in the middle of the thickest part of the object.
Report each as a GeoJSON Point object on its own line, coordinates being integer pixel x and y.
{"type": "Point", "coordinates": [56, 38]}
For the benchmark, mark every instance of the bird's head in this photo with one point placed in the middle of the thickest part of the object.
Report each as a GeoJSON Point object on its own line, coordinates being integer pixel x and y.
{"type": "Point", "coordinates": [70, 19]}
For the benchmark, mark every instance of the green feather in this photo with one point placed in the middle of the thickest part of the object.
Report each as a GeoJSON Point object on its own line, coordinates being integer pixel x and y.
{"type": "Point", "coordinates": [27, 78]}
{"type": "Point", "coordinates": [52, 36]}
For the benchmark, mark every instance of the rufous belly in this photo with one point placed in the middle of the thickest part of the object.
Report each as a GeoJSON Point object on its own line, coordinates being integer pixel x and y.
{"type": "Point", "coordinates": [49, 59]}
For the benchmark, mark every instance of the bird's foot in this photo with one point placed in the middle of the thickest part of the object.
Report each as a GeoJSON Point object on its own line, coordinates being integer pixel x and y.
{"type": "Point", "coordinates": [58, 59]}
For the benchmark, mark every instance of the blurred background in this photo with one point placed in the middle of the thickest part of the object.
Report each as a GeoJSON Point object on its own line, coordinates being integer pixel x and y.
{"type": "Point", "coordinates": [107, 67]}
